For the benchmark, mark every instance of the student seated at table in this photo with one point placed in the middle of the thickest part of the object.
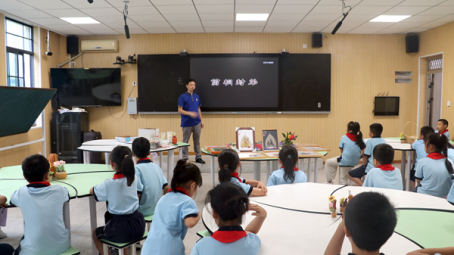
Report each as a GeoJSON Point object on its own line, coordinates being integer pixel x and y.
{"type": "Point", "coordinates": [421, 153]}
{"type": "Point", "coordinates": [351, 146]}
{"type": "Point", "coordinates": [434, 172]}
{"type": "Point", "coordinates": [375, 133]}
{"type": "Point", "coordinates": [149, 175]}
{"type": "Point", "coordinates": [430, 251]}
{"type": "Point", "coordinates": [369, 221]}
{"type": "Point", "coordinates": [124, 223]}
{"type": "Point", "coordinates": [384, 175]}
{"type": "Point", "coordinates": [229, 203]}
{"type": "Point", "coordinates": [288, 173]}
{"type": "Point", "coordinates": [442, 128]}
{"type": "Point", "coordinates": [175, 213]}
{"type": "Point", "coordinates": [41, 205]}
{"type": "Point", "coordinates": [229, 163]}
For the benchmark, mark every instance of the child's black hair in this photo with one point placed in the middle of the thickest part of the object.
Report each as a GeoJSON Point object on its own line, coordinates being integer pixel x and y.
{"type": "Point", "coordinates": [141, 147]}
{"type": "Point", "coordinates": [384, 153]}
{"type": "Point", "coordinates": [35, 167]}
{"type": "Point", "coordinates": [426, 130]}
{"type": "Point", "coordinates": [122, 157]}
{"type": "Point", "coordinates": [376, 129]}
{"type": "Point", "coordinates": [445, 122]}
{"type": "Point", "coordinates": [228, 162]}
{"type": "Point", "coordinates": [183, 173]}
{"type": "Point", "coordinates": [440, 142]}
{"type": "Point", "coordinates": [289, 156]}
{"type": "Point", "coordinates": [229, 201]}
{"type": "Point", "coordinates": [355, 128]}
{"type": "Point", "coordinates": [370, 219]}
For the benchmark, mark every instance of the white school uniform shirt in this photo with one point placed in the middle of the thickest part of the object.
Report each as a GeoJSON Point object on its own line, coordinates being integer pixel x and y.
{"type": "Point", "coordinates": [436, 181]}
{"type": "Point", "coordinates": [248, 245]}
{"type": "Point", "coordinates": [451, 154]}
{"type": "Point", "coordinates": [246, 187]}
{"type": "Point", "coordinates": [121, 198]}
{"type": "Point", "coordinates": [445, 133]}
{"type": "Point", "coordinates": [42, 209]}
{"type": "Point", "coordinates": [421, 153]}
{"type": "Point", "coordinates": [369, 151]}
{"type": "Point", "coordinates": [377, 178]}
{"type": "Point", "coordinates": [351, 153]}
{"type": "Point", "coordinates": [277, 178]}
{"type": "Point", "coordinates": [150, 176]}
{"type": "Point", "coordinates": [168, 229]}
{"type": "Point", "coordinates": [451, 193]}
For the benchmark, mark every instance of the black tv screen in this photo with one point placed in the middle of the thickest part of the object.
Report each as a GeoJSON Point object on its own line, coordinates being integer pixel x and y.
{"type": "Point", "coordinates": [85, 87]}
{"type": "Point", "coordinates": [386, 106]}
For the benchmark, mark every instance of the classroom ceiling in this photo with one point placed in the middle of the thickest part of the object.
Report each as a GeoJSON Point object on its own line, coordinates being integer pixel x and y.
{"type": "Point", "coordinates": [218, 16]}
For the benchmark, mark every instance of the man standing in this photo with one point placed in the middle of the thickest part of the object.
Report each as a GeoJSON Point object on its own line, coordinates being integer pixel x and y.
{"type": "Point", "coordinates": [191, 119]}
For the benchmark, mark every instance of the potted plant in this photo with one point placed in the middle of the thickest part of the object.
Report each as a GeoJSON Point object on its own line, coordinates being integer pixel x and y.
{"type": "Point", "coordinates": [288, 139]}
{"type": "Point", "coordinates": [60, 167]}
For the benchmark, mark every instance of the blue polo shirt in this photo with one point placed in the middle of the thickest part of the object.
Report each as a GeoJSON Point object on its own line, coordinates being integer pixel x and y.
{"type": "Point", "coordinates": [446, 134]}
{"type": "Point", "coordinates": [451, 194]}
{"type": "Point", "coordinates": [351, 153]}
{"type": "Point", "coordinates": [421, 153]}
{"type": "Point", "coordinates": [451, 154]}
{"type": "Point", "coordinates": [377, 178]}
{"type": "Point", "coordinates": [190, 103]}
{"type": "Point", "coordinates": [369, 151]}
{"type": "Point", "coordinates": [44, 227]}
{"type": "Point", "coordinates": [277, 178]}
{"type": "Point", "coordinates": [436, 181]}
{"type": "Point", "coordinates": [246, 187]}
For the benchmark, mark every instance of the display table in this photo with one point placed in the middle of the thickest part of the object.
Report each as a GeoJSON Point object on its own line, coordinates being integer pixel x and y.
{"type": "Point", "coordinates": [299, 221]}
{"type": "Point", "coordinates": [271, 163]}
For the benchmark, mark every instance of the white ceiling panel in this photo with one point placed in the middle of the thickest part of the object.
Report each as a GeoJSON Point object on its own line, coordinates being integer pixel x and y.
{"type": "Point", "coordinates": [121, 25]}
{"type": "Point", "coordinates": [49, 21]}
{"type": "Point", "coordinates": [307, 29]}
{"type": "Point", "coordinates": [141, 10]}
{"type": "Point", "coordinates": [250, 23]}
{"type": "Point", "coordinates": [424, 18]}
{"type": "Point", "coordinates": [187, 24]}
{"type": "Point", "coordinates": [155, 24]}
{"type": "Point", "coordinates": [277, 29]}
{"type": "Point", "coordinates": [214, 1]}
{"type": "Point", "coordinates": [120, 3]}
{"type": "Point", "coordinates": [7, 5]}
{"type": "Point", "coordinates": [109, 19]}
{"type": "Point", "coordinates": [321, 17]}
{"type": "Point", "coordinates": [342, 30]}
{"type": "Point", "coordinates": [101, 12]}
{"type": "Point", "coordinates": [364, 30]}
{"type": "Point", "coordinates": [178, 9]}
{"type": "Point", "coordinates": [221, 16]}
{"type": "Point", "coordinates": [147, 18]}
{"type": "Point", "coordinates": [407, 25]}
{"type": "Point", "coordinates": [321, 9]}
{"type": "Point", "coordinates": [258, 2]}
{"type": "Point", "coordinates": [136, 31]}
{"type": "Point", "coordinates": [433, 24]}
{"type": "Point", "coordinates": [215, 23]}
{"type": "Point", "coordinates": [219, 30]}
{"type": "Point", "coordinates": [185, 30]}
{"type": "Point", "coordinates": [65, 13]}
{"type": "Point", "coordinates": [416, 30]}
{"type": "Point", "coordinates": [421, 2]}
{"type": "Point", "coordinates": [381, 25]}
{"type": "Point", "coordinates": [62, 27]}
{"type": "Point", "coordinates": [85, 4]}
{"type": "Point", "coordinates": [439, 10]}
{"type": "Point", "coordinates": [31, 14]}
{"type": "Point", "coordinates": [160, 30]}
{"type": "Point", "coordinates": [248, 29]}
{"type": "Point", "coordinates": [314, 24]}
{"type": "Point", "coordinates": [182, 17]}
{"type": "Point", "coordinates": [292, 8]}
{"type": "Point", "coordinates": [281, 16]}
{"type": "Point", "coordinates": [381, 2]}
{"type": "Point", "coordinates": [338, 3]}
{"type": "Point", "coordinates": [307, 2]}
{"type": "Point", "coordinates": [77, 32]}
{"type": "Point", "coordinates": [363, 18]}
{"type": "Point", "coordinates": [409, 10]}
{"type": "Point", "coordinates": [446, 19]}
{"type": "Point", "coordinates": [254, 8]}
{"type": "Point", "coordinates": [391, 31]}
{"type": "Point", "coordinates": [219, 8]}
{"type": "Point", "coordinates": [282, 23]}
{"type": "Point", "coordinates": [173, 2]}
{"type": "Point", "coordinates": [369, 10]}
{"type": "Point", "coordinates": [47, 4]}
{"type": "Point", "coordinates": [447, 3]}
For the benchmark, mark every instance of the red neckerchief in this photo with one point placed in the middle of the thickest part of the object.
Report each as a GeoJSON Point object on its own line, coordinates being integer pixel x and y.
{"type": "Point", "coordinates": [44, 183]}
{"type": "Point", "coordinates": [352, 137]}
{"type": "Point", "coordinates": [181, 189]}
{"type": "Point", "coordinates": [435, 155]}
{"type": "Point", "coordinates": [446, 130]}
{"type": "Point", "coordinates": [294, 168]}
{"type": "Point", "coordinates": [386, 167]}
{"type": "Point", "coordinates": [229, 234]}
{"type": "Point", "coordinates": [140, 159]}
{"type": "Point", "coordinates": [235, 174]}
{"type": "Point", "coordinates": [118, 176]}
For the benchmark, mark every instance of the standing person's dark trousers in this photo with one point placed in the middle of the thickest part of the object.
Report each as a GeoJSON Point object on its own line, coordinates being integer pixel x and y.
{"type": "Point", "coordinates": [196, 131]}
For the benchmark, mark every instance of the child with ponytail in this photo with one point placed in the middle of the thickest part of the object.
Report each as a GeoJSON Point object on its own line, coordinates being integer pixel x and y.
{"type": "Point", "coordinates": [175, 212]}
{"type": "Point", "coordinates": [229, 163]}
{"type": "Point", "coordinates": [229, 203]}
{"type": "Point", "coordinates": [434, 172]}
{"type": "Point", "coordinates": [123, 221]}
{"type": "Point", "coordinates": [351, 147]}
{"type": "Point", "coordinates": [288, 173]}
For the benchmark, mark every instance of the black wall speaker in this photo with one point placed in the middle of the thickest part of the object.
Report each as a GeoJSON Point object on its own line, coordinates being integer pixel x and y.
{"type": "Point", "coordinates": [317, 41]}
{"type": "Point", "coordinates": [412, 43]}
{"type": "Point", "coordinates": [72, 45]}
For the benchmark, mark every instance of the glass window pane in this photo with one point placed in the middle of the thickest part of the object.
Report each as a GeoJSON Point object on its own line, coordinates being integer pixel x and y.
{"type": "Point", "coordinates": [21, 82]}
{"type": "Point", "coordinates": [12, 64]}
{"type": "Point", "coordinates": [21, 65]}
{"type": "Point", "coordinates": [28, 73]}
{"type": "Point", "coordinates": [27, 32]}
{"type": "Point", "coordinates": [14, 28]}
{"type": "Point", "coordinates": [14, 41]}
{"type": "Point", "coordinates": [27, 45]}
{"type": "Point", "coordinates": [12, 81]}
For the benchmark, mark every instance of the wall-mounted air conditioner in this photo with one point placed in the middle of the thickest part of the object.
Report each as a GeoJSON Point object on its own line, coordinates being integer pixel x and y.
{"type": "Point", "coordinates": [99, 45]}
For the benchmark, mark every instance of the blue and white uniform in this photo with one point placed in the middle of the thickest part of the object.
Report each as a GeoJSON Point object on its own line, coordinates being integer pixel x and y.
{"type": "Point", "coordinates": [451, 194]}
{"type": "Point", "coordinates": [150, 176]}
{"type": "Point", "coordinates": [168, 229]}
{"type": "Point", "coordinates": [369, 151]}
{"type": "Point", "coordinates": [351, 153]}
{"type": "Point", "coordinates": [446, 133]}
{"type": "Point", "coordinates": [436, 181]}
{"type": "Point", "coordinates": [42, 210]}
{"type": "Point", "coordinates": [277, 178]}
{"type": "Point", "coordinates": [242, 183]}
{"type": "Point", "coordinates": [451, 154]}
{"type": "Point", "coordinates": [419, 147]}
{"type": "Point", "coordinates": [227, 241]}
{"type": "Point", "coordinates": [387, 178]}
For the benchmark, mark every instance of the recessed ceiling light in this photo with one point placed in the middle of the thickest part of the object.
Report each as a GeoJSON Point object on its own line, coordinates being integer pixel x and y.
{"type": "Point", "coordinates": [80, 20]}
{"type": "Point", "coordinates": [252, 16]}
{"type": "Point", "coordinates": [390, 18]}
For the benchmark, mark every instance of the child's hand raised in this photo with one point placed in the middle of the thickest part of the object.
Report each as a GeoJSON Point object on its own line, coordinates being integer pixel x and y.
{"type": "Point", "coordinates": [260, 212]}
{"type": "Point", "coordinates": [260, 215]}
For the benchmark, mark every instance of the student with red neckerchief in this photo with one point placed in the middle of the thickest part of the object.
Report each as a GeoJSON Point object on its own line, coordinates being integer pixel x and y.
{"type": "Point", "coordinates": [229, 203]}
{"type": "Point", "coordinates": [124, 223]}
{"type": "Point", "coordinates": [288, 173]}
{"type": "Point", "coordinates": [384, 175]}
{"type": "Point", "coordinates": [175, 212]}
{"type": "Point", "coordinates": [442, 128]}
{"type": "Point", "coordinates": [351, 146]}
{"type": "Point", "coordinates": [229, 163]}
{"type": "Point", "coordinates": [434, 172]}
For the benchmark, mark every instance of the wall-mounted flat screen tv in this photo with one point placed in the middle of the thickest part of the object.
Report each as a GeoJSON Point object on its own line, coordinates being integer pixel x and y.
{"type": "Point", "coordinates": [386, 106]}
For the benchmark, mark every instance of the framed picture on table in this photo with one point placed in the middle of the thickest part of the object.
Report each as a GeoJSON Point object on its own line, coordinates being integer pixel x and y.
{"type": "Point", "coordinates": [270, 141]}
{"type": "Point", "coordinates": [245, 139]}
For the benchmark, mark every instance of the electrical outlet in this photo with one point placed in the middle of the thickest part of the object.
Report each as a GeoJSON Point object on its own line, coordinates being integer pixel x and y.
{"type": "Point", "coordinates": [304, 46]}
{"type": "Point", "coordinates": [449, 103]}
{"type": "Point", "coordinates": [134, 83]}
{"type": "Point", "coordinates": [73, 63]}
{"type": "Point", "coordinates": [40, 153]}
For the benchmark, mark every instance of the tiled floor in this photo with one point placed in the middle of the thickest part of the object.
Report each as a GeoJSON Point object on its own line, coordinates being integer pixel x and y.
{"type": "Point", "coordinates": [80, 219]}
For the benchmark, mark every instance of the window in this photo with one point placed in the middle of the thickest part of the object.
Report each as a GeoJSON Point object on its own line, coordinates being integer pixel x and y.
{"type": "Point", "coordinates": [19, 54]}
{"type": "Point", "coordinates": [435, 64]}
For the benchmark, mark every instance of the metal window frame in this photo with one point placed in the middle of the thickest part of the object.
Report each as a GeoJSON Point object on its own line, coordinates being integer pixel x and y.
{"type": "Point", "coordinates": [20, 52]}
{"type": "Point", "coordinates": [23, 37]}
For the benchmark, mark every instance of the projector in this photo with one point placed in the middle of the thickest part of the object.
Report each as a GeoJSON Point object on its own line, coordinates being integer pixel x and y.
{"type": "Point", "coordinates": [49, 53]}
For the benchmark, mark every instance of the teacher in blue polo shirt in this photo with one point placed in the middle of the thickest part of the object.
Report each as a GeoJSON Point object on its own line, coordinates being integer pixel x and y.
{"type": "Point", "coordinates": [191, 119]}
